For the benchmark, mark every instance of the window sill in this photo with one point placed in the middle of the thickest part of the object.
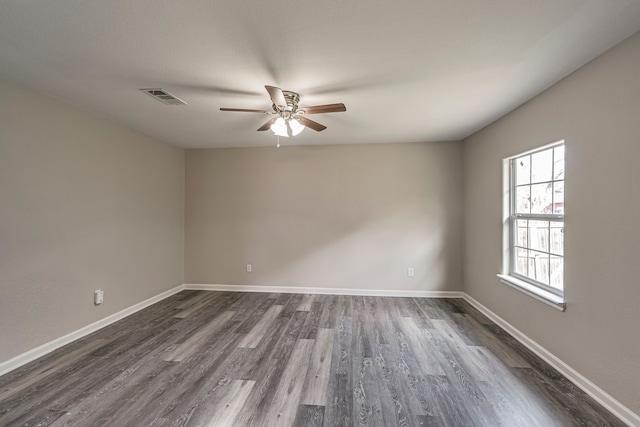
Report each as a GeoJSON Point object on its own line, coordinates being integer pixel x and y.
{"type": "Point", "coordinates": [541, 295]}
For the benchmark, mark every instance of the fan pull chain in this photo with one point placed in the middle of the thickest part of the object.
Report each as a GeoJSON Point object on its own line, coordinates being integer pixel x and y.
{"type": "Point", "coordinates": [278, 144]}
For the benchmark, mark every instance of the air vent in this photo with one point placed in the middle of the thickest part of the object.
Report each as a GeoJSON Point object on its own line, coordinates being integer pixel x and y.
{"type": "Point", "coordinates": [164, 96]}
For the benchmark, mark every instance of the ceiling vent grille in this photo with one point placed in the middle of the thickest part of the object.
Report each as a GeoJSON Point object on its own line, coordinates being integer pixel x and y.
{"type": "Point", "coordinates": [164, 96]}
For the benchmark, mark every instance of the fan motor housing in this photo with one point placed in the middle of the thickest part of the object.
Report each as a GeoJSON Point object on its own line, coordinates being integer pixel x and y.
{"type": "Point", "coordinates": [292, 99]}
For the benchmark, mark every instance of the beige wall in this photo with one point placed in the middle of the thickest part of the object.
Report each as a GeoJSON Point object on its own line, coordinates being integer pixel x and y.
{"type": "Point", "coordinates": [84, 204]}
{"type": "Point", "coordinates": [350, 216]}
{"type": "Point", "coordinates": [597, 111]}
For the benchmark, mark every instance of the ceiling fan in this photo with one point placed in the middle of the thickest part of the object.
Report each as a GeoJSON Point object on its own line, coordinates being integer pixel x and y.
{"type": "Point", "coordinates": [289, 118]}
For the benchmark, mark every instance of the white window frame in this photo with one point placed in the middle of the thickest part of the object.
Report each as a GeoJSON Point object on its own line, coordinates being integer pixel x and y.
{"type": "Point", "coordinates": [540, 291]}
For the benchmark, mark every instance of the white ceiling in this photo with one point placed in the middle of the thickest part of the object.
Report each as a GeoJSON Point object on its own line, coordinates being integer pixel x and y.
{"type": "Point", "coordinates": [412, 70]}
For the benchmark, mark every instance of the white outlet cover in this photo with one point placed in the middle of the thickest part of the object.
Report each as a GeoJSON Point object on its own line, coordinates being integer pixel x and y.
{"type": "Point", "coordinates": [98, 296]}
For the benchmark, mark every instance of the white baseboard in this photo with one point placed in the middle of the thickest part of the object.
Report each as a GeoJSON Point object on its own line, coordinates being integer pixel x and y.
{"type": "Point", "coordinates": [24, 358]}
{"type": "Point", "coordinates": [325, 291]}
{"type": "Point", "coordinates": [605, 399]}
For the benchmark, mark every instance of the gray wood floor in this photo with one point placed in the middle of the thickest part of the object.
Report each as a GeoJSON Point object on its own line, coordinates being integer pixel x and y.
{"type": "Point", "coordinates": [249, 359]}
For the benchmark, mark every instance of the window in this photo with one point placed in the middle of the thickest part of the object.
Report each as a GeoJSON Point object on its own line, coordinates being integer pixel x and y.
{"type": "Point", "coordinates": [535, 225]}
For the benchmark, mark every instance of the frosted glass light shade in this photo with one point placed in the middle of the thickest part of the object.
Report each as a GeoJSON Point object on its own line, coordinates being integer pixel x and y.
{"type": "Point", "coordinates": [296, 127]}
{"type": "Point", "coordinates": [280, 127]}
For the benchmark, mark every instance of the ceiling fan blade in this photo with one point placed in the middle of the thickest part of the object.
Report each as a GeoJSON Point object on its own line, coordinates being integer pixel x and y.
{"type": "Point", "coordinates": [277, 96]}
{"type": "Point", "coordinates": [311, 124]}
{"type": "Point", "coordinates": [267, 125]}
{"type": "Point", "coordinates": [244, 110]}
{"type": "Point", "coordinates": [329, 108]}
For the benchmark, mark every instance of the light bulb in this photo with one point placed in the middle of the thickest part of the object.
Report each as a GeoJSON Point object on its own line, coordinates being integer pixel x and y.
{"type": "Point", "coordinates": [280, 127]}
{"type": "Point", "coordinates": [296, 127]}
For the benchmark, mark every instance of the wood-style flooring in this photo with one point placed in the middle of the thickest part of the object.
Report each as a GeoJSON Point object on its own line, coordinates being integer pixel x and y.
{"type": "Point", "coordinates": [249, 359]}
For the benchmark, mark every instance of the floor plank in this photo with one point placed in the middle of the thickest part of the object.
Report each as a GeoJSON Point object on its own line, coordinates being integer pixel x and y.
{"type": "Point", "coordinates": [191, 344]}
{"type": "Point", "coordinates": [225, 406]}
{"type": "Point", "coordinates": [256, 334]}
{"type": "Point", "coordinates": [287, 395]}
{"type": "Point", "coordinates": [309, 416]}
{"type": "Point", "coordinates": [305, 304]}
{"type": "Point", "coordinates": [315, 385]}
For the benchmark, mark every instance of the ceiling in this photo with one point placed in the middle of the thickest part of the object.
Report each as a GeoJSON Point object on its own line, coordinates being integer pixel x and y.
{"type": "Point", "coordinates": [408, 71]}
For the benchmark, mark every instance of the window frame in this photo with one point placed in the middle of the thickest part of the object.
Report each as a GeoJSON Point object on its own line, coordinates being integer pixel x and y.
{"type": "Point", "coordinates": [510, 276]}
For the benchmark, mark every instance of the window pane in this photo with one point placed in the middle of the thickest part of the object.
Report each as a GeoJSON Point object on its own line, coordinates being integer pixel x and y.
{"type": "Point", "coordinates": [557, 238]}
{"type": "Point", "coordinates": [558, 197]}
{"type": "Point", "coordinates": [522, 234]}
{"type": "Point", "coordinates": [542, 166]}
{"type": "Point", "coordinates": [523, 204]}
{"type": "Point", "coordinates": [539, 267]}
{"type": "Point", "coordinates": [557, 272]}
{"type": "Point", "coordinates": [521, 261]}
{"type": "Point", "coordinates": [539, 235]}
{"type": "Point", "coordinates": [541, 198]}
{"type": "Point", "coordinates": [558, 162]}
{"type": "Point", "coordinates": [523, 169]}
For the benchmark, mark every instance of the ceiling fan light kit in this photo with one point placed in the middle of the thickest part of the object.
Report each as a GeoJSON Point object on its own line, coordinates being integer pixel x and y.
{"type": "Point", "coordinates": [290, 120]}
{"type": "Point", "coordinates": [287, 127]}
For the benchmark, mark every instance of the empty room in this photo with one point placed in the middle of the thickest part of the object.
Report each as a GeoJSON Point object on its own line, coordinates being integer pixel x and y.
{"type": "Point", "coordinates": [319, 213]}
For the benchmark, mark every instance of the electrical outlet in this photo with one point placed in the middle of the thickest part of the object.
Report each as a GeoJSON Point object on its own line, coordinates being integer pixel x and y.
{"type": "Point", "coordinates": [98, 296]}
{"type": "Point", "coordinates": [249, 268]}
{"type": "Point", "coordinates": [410, 271]}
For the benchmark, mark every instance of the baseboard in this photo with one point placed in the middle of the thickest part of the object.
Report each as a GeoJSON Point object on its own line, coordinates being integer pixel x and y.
{"type": "Point", "coordinates": [601, 396]}
{"type": "Point", "coordinates": [325, 291]}
{"type": "Point", "coordinates": [24, 358]}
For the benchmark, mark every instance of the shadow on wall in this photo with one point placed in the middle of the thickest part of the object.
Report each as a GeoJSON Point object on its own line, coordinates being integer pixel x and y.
{"type": "Point", "coordinates": [342, 216]}
{"type": "Point", "coordinates": [370, 256]}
